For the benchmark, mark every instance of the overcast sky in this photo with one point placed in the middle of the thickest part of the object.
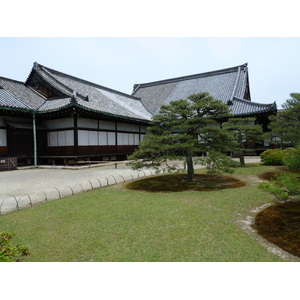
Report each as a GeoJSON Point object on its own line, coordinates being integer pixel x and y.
{"type": "Point", "coordinates": [120, 43]}
{"type": "Point", "coordinates": [118, 63]}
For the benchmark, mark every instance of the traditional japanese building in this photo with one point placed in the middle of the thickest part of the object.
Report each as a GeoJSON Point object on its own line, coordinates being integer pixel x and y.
{"type": "Point", "coordinates": [231, 86]}
{"type": "Point", "coordinates": [53, 117]}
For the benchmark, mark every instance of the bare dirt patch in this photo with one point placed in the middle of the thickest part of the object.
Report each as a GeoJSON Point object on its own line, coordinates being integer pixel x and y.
{"type": "Point", "coordinates": [247, 224]}
{"type": "Point", "coordinates": [280, 225]}
{"type": "Point", "coordinates": [179, 182]}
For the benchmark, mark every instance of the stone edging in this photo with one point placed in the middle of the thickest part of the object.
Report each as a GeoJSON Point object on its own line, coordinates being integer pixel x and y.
{"type": "Point", "coordinates": [247, 224]}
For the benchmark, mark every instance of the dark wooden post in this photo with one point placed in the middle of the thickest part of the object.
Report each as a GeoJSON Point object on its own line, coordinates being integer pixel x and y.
{"type": "Point", "coordinates": [75, 118]}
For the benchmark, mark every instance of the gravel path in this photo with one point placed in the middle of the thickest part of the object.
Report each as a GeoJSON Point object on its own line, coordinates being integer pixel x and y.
{"type": "Point", "coordinates": [28, 186]}
{"type": "Point", "coordinates": [24, 181]}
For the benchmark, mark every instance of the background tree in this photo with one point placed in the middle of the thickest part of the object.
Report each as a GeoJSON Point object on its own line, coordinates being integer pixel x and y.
{"type": "Point", "coordinates": [243, 134]}
{"type": "Point", "coordinates": [182, 130]}
{"type": "Point", "coordinates": [284, 126]}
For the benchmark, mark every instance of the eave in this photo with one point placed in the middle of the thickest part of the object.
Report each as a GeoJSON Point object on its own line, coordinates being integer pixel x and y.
{"type": "Point", "coordinates": [93, 112]}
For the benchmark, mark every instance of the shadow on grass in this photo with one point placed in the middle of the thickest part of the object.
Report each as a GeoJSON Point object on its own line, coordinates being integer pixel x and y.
{"type": "Point", "coordinates": [280, 225]}
{"type": "Point", "coordinates": [179, 183]}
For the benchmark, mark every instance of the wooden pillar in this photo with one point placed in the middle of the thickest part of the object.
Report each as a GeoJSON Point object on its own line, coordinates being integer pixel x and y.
{"type": "Point", "coordinates": [34, 140]}
{"type": "Point", "coordinates": [116, 137]}
{"type": "Point", "coordinates": [75, 119]}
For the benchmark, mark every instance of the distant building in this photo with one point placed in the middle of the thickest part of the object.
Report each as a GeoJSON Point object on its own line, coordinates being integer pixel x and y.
{"type": "Point", "coordinates": [56, 118]}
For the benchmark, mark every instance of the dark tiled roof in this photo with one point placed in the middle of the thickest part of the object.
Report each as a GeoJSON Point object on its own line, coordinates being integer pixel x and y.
{"type": "Point", "coordinates": [55, 104]}
{"type": "Point", "coordinates": [8, 100]}
{"type": "Point", "coordinates": [222, 85]}
{"type": "Point", "coordinates": [24, 97]}
{"type": "Point", "coordinates": [228, 85]}
{"type": "Point", "coordinates": [242, 107]}
{"type": "Point", "coordinates": [100, 98]}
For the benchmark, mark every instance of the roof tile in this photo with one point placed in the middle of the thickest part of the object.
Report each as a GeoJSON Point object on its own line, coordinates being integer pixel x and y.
{"type": "Point", "coordinates": [226, 85]}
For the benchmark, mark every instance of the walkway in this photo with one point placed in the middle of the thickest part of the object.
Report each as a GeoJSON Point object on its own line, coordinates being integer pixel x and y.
{"type": "Point", "coordinates": [28, 186]}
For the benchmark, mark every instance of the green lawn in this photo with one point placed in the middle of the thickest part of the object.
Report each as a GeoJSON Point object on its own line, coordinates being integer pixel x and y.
{"type": "Point", "coordinates": [117, 224]}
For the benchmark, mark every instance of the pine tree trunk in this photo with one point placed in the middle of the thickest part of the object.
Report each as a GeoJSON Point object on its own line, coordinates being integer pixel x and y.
{"type": "Point", "coordinates": [190, 167]}
{"type": "Point", "coordinates": [242, 159]}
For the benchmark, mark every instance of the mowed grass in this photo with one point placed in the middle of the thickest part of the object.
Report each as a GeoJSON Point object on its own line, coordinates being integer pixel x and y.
{"type": "Point", "coordinates": [115, 224]}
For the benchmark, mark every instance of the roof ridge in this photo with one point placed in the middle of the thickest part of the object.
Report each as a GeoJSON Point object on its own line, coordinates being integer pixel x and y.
{"type": "Point", "coordinates": [88, 82]}
{"type": "Point", "coordinates": [16, 81]}
{"type": "Point", "coordinates": [38, 66]}
{"type": "Point", "coordinates": [187, 77]}
{"type": "Point", "coordinates": [235, 84]}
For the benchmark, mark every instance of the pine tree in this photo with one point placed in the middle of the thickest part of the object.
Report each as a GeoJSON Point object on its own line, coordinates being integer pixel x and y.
{"type": "Point", "coordinates": [182, 130]}
{"type": "Point", "coordinates": [243, 135]}
{"type": "Point", "coordinates": [284, 126]}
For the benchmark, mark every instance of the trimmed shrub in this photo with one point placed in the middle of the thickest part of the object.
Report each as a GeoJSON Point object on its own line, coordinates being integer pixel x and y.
{"type": "Point", "coordinates": [9, 252]}
{"type": "Point", "coordinates": [292, 161]}
{"type": "Point", "coordinates": [289, 182]}
{"type": "Point", "coordinates": [284, 186]}
{"type": "Point", "coordinates": [290, 151]}
{"type": "Point", "coordinates": [272, 157]}
{"type": "Point", "coordinates": [273, 189]}
{"type": "Point", "coordinates": [291, 158]}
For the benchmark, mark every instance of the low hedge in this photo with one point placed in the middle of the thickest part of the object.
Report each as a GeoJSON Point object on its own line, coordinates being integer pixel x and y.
{"type": "Point", "coordinates": [289, 157]}
{"type": "Point", "coordinates": [272, 157]}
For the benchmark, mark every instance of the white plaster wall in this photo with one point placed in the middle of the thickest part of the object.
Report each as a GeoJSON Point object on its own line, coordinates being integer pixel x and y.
{"type": "Point", "coordinates": [83, 138]}
{"type": "Point", "coordinates": [131, 139]}
{"type": "Point", "coordinates": [87, 123]}
{"type": "Point", "coordinates": [111, 138]}
{"type": "Point", "coordinates": [107, 125]}
{"type": "Point", "coordinates": [58, 123]}
{"type": "Point", "coordinates": [128, 127]}
{"type": "Point", "coordinates": [52, 139]}
{"type": "Point", "coordinates": [93, 138]}
{"type": "Point", "coordinates": [128, 138]}
{"type": "Point", "coordinates": [87, 138]}
{"type": "Point", "coordinates": [102, 136]}
{"type": "Point", "coordinates": [61, 138]}
{"type": "Point", "coordinates": [69, 137]}
{"type": "Point", "coordinates": [136, 139]}
{"type": "Point", "coordinates": [123, 138]}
